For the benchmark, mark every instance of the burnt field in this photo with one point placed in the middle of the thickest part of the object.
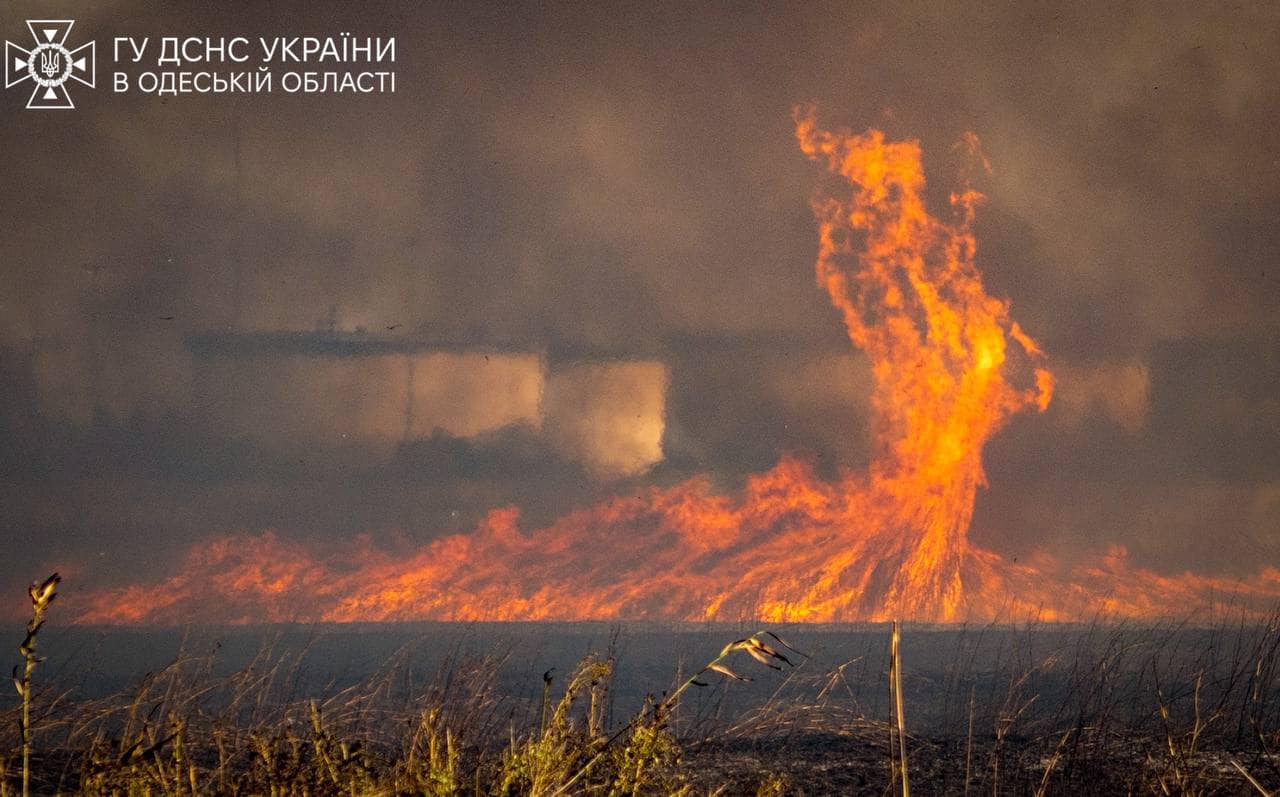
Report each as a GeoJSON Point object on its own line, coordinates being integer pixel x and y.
{"type": "Point", "coordinates": [442, 708]}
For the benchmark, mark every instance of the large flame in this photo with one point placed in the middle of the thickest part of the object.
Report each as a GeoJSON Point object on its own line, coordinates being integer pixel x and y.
{"type": "Point", "coordinates": [950, 368]}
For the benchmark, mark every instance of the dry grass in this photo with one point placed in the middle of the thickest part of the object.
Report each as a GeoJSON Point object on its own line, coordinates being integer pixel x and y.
{"type": "Point", "coordinates": [186, 730]}
{"type": "Point", "coordinates": [895, 684]}
{"type": "Point", "coordinates": [1105, 709]}
{"type": "Point", "coordinates": [41, 595]}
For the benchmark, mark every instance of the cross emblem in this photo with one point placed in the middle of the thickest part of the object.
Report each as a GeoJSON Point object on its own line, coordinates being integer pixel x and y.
{"type": "Point", "coordinates": [49, 64]}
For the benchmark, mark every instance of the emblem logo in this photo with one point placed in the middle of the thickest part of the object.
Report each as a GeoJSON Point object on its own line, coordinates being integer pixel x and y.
{"type": "Point", "coordinates": [49, 64]}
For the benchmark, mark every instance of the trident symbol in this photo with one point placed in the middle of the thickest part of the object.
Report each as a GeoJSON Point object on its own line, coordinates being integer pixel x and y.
{"type": "Point", "coordinates": [49, 63]}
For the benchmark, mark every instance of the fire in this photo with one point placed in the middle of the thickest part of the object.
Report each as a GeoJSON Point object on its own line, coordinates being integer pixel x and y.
{"type": "Point", "coordinates": [950, 368]}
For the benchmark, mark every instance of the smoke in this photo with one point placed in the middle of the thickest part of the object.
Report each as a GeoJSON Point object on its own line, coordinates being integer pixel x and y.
{"type": "Point", "coordinates": [595, 186]}
{"type": "Point", "coordinates": [1118, 391]}
{"type": "Point", "coordinates": [609, 416]}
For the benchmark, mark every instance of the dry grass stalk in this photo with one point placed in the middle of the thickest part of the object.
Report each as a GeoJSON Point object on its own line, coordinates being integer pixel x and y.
{"type": "Point", "coordinates": [756, 646]}
{"type": "Point", "coordinates": [1252, 781]}
{"type": "Point", "coordinates": [42, 596]}
{"type": "Point", "coordinates": [895, 685]}
{"type": "Point", "coordinates": [968, 747]}
{"type": "Point", "coordinates": [1049, 766]}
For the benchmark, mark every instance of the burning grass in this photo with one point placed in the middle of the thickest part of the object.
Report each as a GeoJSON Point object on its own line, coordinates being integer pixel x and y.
{"type": "Point", "coordinates": [950, 368]}
{"type": "Point", "coordinates": [1036, 709]}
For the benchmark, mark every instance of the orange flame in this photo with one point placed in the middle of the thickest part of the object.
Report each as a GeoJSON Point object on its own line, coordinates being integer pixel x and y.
{"type": "Point", "coordinates": [950, 368]}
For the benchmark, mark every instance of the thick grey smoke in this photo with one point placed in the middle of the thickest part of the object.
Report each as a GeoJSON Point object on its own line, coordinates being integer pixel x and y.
{"type": "Point", "coordinates": [573, 254]}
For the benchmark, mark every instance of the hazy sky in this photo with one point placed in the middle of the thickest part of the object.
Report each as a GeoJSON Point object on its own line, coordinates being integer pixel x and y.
{"type": "Point", "coordinates": [579, 244]}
